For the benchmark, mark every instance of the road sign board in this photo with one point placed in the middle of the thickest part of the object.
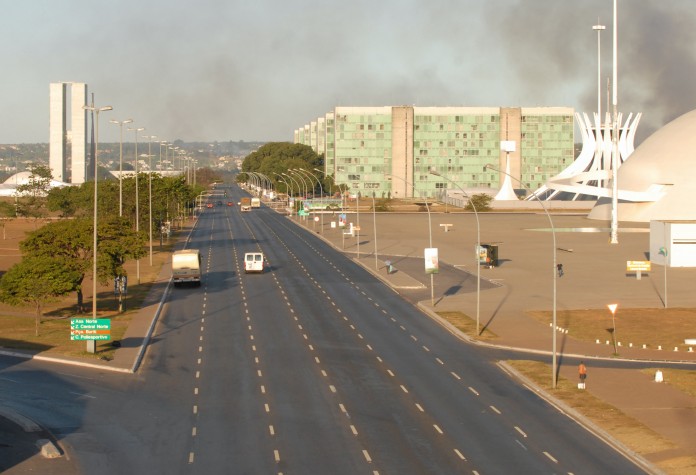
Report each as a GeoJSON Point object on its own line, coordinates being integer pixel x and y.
{"type": "Point", "coordinates": [638, 266]}
{"type": "Point", "coordinates": [90, 329]}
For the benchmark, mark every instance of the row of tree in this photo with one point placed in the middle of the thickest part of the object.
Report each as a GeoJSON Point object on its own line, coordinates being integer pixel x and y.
{"type": "Point", "coordinates": [58, 256]}
{"type": "Point", "coordinates": [275, 158]}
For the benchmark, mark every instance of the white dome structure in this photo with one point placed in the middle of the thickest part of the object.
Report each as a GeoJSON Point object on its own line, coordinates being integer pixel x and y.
{"type": "Point", "coordinates": [9, 187]}
{"type": "Point", "coordinates": [658, 181]}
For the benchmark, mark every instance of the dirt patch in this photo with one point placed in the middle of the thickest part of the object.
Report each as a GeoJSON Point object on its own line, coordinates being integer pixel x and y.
{"type": "Point", "coordinates": [653, 327]}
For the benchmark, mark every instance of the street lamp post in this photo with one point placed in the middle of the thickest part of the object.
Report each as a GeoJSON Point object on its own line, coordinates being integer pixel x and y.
{"type": "Point", "coordinates": [374, 225]}
{"type": "Point", "coordinates": [92, 344]}
{"type": "Point", "coordinates": [321, 194]}
{"type": "Point", "coordinates": [664, 252]}
{"type": "Point", "coordinates": [295, 181]}
{"type": "Point", "coordinates": [149, 187]}
{"type": "Point", "coordinates": [299, 187]}
{"type": "Point", "coordinates": [478, 249]}
{"type": "Point", "coordinates": [163, 142]}
{"type": "Point", "coordinates": [288, 191]}
{"type": "Point", "coordinates": [430, 235]}
{"type": "Point", "coordinates": [137, 197]}
{"type": "Point", "coordinates": [554, 269]}
{"type": "Point", "coordinates": [120, 164]}
{"type": "Point", "coordinates": [615, 142]}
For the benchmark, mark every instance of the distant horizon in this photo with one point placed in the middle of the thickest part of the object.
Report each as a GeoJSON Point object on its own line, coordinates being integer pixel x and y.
{"type": "Point", "coordinates": [264, 68]}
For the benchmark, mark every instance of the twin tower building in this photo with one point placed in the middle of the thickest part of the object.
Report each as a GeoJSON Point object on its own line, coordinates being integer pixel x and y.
{"type": "Point", "coordinates": [69, 157]}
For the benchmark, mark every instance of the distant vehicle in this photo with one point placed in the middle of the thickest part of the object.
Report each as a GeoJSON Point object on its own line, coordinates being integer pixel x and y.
{"type": "Point", "coordinates": [230, 203]}
{"type": "Point", "coordinates": [245, 204]}
{"type": "Point", "coordinates": [254, 262]}
{"type": "Point", "coordinates": [219, 203]}
{"type": "Point", "coordinates": [186, 267]}
{"type": "Point", "coordinates": [255, 203]}
{"type": "Point", "coordinates": [209, 205]}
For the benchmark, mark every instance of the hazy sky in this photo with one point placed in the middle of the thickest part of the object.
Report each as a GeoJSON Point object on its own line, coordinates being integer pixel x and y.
{"type": "Point", "coordinates": [223, 70]}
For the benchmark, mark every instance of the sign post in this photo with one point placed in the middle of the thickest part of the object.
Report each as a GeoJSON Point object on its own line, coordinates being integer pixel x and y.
{"type": "Point", "coordinates": [90, 330]}
{"type": "Point", "coordinates": [665, 252]}
{"type": "Point", "coordinates": [612, 308]}
{"type": "Point", "coordinates": [638, 267]}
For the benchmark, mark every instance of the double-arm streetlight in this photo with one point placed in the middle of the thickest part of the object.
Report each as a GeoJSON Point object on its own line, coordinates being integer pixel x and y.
{"type": "Point", "coordinates": [321, 193]}
{"type": "Point", "coordinates": [120, 164]}
{"type": "Point", "coordinates": [430, 234]}
{"type": "Point", "coordinates": [161, 143]}
{"type": "Point", "coordinates": [293, 179]}
{"type": "Point", "coordinates": [288, 191]}
{"type": "Point", "coordinates": [149, 186]}
{"type": "Point", "coordinates": [137, 197]}
{"type": "Point", "coordinates": [554, 268]}
{"type": "Point", "coordinates": [478, 248]}
{"type": "Point", "coordinates": [92, 344]}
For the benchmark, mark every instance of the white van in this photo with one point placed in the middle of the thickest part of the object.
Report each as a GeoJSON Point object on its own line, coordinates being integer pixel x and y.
{"type": "Point", "coordinates": [254, 262]}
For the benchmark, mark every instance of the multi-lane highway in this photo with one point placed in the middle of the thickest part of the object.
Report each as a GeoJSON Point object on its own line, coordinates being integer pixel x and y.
{"type": "Point", "coordinates": [312, 367]}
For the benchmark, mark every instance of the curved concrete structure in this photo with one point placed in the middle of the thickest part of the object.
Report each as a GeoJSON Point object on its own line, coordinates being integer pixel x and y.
{"type": "Point", "coordinates": [657, 181]}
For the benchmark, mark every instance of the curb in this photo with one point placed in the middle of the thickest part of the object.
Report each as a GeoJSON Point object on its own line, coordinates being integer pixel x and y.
{"type": "Point", "coordinates": [583, 421]}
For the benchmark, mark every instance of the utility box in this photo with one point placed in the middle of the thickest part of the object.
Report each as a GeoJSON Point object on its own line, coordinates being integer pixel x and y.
{"type": "Point", "coordinates": [488, 255]}
{"type": "Point", "coordinates": [673, 243]}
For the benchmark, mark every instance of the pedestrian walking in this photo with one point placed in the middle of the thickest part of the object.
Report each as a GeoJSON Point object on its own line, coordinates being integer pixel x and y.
{"type": "Point", "coordinates": [559, 267]}
{"type": "Point", "coordinates": [582, 374]}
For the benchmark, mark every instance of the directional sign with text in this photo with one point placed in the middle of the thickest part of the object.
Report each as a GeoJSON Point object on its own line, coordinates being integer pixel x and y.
{"type": "Point", "coordinates": [90, 329]}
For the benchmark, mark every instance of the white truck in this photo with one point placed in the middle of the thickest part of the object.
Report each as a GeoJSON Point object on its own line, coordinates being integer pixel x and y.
{"type": "Point", "coordinates": [255, 203]}
{"type": "Point", "coordinates": [186, 267]}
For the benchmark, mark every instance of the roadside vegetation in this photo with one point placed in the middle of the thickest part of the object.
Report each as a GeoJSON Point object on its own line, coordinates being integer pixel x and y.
{"type": "Point", "coordinates": [50, 250]}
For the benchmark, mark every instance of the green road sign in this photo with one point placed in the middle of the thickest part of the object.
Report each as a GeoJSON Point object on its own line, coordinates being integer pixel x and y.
{"type": "Point", "coordinates": [90, 329]}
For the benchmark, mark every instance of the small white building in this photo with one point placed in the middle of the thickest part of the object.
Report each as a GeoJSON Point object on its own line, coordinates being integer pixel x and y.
{"type": "Point", "coordinates": [673, 243]}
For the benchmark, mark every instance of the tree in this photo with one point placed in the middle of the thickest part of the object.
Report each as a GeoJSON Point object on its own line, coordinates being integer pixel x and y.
{"type": "Point", "coordinates": [481, 201]}
{"type": "Point", "coordinates": [278, 157]}
{"type": "Point", "coordinates": [72, 241]}
{"type": "Point", "coordinates": [70, 201]}
{"type": "Point", "coordinates": [31, 196]}
{"type": "Point", "coordinates": [36, 280]}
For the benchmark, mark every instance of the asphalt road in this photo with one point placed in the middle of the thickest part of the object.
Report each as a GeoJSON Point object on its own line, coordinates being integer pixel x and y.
{"type": "Point", "coordinates": [312, 367]}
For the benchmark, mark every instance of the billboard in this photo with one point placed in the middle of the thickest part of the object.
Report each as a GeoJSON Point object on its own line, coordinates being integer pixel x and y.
{"type": "Point", "coordinates": [432, 265]}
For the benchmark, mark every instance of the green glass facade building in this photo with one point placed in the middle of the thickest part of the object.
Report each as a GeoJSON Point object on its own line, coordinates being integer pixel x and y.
{"type": "Point", "coordinates": [391, 150]}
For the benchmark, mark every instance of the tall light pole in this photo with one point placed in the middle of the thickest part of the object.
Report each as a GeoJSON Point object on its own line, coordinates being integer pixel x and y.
{"type": "Point", "coordinates": [304, 185]}
{"type": "Point", "coordinates": [615, 143]}
{"type": "Point", "coordinates": [295, 181]}
{"type": "Point", "coordinates": [374, 225]}
{"type": "Point", "coordinates": [166, 147]}
{"type": "Point", "coordinates": [288, 191]}
{"type": "Point", "coordinates": [137, 197]}
{"type": "Point", "coordinates": [92, 344]}
{"type": "Point", "coordinates": [149, 186]}
{"type": "Point", "coordinates": [599, 28]}
{"type": "Point", "coordinates": [599, 141]}
{"type": "Point", "coordinates": [478, 248]}
{"type": "Point", "coordinates": [554, 269]}
{"type": "Point", "coordinates": [430, 234]}
{"type": "Point", "coordinates": [120, 164]}
{"type": "Point", "coordinates": [321, 191]}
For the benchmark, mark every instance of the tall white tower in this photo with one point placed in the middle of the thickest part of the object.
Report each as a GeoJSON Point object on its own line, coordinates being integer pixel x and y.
{"type": "Point", "coordinates": [62, 132]}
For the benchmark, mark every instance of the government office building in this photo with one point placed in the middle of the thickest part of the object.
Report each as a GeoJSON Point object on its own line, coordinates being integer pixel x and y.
{"type": "Point", "coordinates": [391, 150]}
